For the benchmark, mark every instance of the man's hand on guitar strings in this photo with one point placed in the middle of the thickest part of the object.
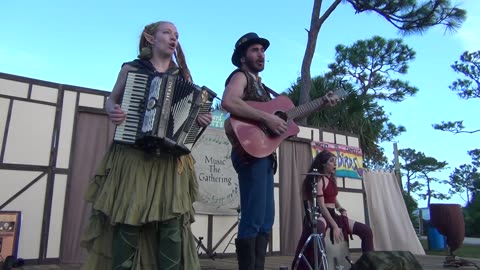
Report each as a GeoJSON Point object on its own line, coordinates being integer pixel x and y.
{"type": "Point", "coordinates": [330, 99]}
{"type": "Point", "coordinates": [275, 124]}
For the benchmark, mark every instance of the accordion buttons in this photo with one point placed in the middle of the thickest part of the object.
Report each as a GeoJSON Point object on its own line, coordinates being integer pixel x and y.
{"type": "Point", "coordinates": [151, 103]}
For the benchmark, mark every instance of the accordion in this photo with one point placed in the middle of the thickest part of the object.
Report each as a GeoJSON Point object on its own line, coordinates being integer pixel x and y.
{"type": "Point", "coordinates": [161, 112]}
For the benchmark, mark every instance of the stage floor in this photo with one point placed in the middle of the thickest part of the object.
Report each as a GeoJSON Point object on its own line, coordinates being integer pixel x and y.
{"type": "Point", "coordinates": [272, 263]}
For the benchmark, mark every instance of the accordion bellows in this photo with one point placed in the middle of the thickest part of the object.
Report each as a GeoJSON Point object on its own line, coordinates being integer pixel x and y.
{"type": "Point", "coordinates": [161, 112]}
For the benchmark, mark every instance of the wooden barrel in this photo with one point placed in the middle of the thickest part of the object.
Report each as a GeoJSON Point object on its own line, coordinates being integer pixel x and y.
{"type": "Point", "coordinates": [449, 221]}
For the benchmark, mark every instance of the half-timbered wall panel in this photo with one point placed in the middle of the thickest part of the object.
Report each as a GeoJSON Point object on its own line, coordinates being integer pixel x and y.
{"type": "Point", "coordinates": [12, 181]}
{"type": "Point", "coordinates": [34, 162]}
{"type": "Point", "coordinates": [353, 183]}
{"type": "Point", "coordinates": [91, 100]}
{"type": "Point", "coordinates": [44, 93]}
{"type": "Point", "coordinates": [327, 137]}
{"type": "Point", "coordinates": [4, 107]}
{"type": "Point", "coordinates": [309, 133]}
{"type": "Point", "coordinates": [353, 141]}
{"type": "Point", "coordinates": [29, 135]}
{"type": "Point", "coordinates": [220, 226]}
{"type": "Point", "coordinates": [66, 129]}
{"type": "Point", "coordinates": [276, 177]}
{"type": "Point", "coordinates": [355, 206]}
{"type": "Point", "coordinates": [13, 88]}
{"type": "Point", "coordinates": [340, 139]}
{"type": "Point", "coordinates": [276, 224]}
{"type": "Point", "coordinates": [56, 216]}
{"type": "Point", "coordinates": [30, 203]}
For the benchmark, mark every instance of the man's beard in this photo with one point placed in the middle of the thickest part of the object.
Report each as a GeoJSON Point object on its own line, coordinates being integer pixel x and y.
{"type": "Point", "coordinates": [253, 67]}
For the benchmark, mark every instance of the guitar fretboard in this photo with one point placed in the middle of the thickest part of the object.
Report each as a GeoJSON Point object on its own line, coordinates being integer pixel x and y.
{"type": "Point", "coordinates": [305, 109]}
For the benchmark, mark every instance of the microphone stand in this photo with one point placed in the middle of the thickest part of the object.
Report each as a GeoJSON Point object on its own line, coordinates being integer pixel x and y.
{"type": "Point", "coordinates": [314, 213]}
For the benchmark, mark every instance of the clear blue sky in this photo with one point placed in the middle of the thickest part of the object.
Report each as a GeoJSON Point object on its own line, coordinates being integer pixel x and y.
{"type": "Point", "coordinates": [83, 43]}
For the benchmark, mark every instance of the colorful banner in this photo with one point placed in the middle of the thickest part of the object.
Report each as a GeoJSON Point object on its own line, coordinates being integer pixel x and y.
{"type": "Point", "coordinates": [217, 179]}
{"type": "Point", "coordinates": [218, 118]}
{"type": "Point", "coordinates": [349, 159]}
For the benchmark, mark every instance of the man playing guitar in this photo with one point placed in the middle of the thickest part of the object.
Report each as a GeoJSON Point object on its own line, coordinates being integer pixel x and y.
{"type": "Point", "coordinates": [246, 98]}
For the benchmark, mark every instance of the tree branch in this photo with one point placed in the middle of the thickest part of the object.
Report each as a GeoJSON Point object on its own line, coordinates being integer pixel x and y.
{"type": "Point", "coordinates": [466, 131]}
{"type": "Point", "coordinates": [315, 25]}
{"type": "Point", "coordinates": [454, 127]}
{"type": "Point", "coordinates": [410, 18]}
{"type": "Point", "coordinates": [329, 11]}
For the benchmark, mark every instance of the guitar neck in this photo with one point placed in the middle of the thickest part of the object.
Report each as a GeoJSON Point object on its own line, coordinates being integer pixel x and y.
{"type": "Point", "coordinates": [305, 109]}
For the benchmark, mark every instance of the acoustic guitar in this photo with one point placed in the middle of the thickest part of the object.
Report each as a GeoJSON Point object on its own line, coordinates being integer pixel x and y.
{"type": "Point", "coordinates": [256, 139]}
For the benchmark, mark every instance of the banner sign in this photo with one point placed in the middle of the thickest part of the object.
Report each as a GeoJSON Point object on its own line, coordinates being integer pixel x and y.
{"type": "Point", "coordinates": [349, 159]}
{"type": "Point", "coordinates": [217, 179]}
{"type": "Point", "coordinates": [218, 118]}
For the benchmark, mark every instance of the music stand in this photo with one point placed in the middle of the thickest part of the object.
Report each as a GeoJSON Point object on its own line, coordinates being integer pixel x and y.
{"type": "Point", "coordinates": [314, 236]}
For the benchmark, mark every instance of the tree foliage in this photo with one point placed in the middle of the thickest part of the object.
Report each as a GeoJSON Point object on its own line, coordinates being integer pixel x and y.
{"type": "Point", "coordinates": [366, 69]}
{"type": "Point", "coordinates": [411, 205]}
{"type": "Point", "coordinates": [466, 178]}
{"type": "Point", "coordinates": [419, 170]}
{"type": "Point", "coordinates": [408, 16]}
{"type": "Point", "coordinates": [467, 87]}
{"type": "Point", "coordinates": [469, 66]}
{"type": "Point", "coordinates": [472, 217]}
{"type": "Point", "coordinates": [472, 184]}
{"type": "Point", "coordinates": [428, 166]}
{"type": "Point", "coordinates": [356, 114]}
{"type": "Point", "coordinates": [411, 167]}
{"type": "Point", "coordinates": [370, 65]}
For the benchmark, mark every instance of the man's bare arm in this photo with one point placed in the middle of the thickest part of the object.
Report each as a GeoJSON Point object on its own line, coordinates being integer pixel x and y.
{"type": "Point", "coordinates": [232, 102]}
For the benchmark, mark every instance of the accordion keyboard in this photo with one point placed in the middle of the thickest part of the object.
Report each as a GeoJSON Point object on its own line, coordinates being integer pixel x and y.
{"type": "Point", "coordinates": [133, 103]}
{"type": "Point", "coordinates": [161, 112]}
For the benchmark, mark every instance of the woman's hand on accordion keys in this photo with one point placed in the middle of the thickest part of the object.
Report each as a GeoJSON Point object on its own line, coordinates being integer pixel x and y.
{"type": "Point", "coordinates": [204, 119]}
{"type": "Point", "coordinates": [116, 114]}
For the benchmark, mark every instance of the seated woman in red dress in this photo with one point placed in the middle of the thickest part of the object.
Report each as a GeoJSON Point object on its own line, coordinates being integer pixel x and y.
{"type": "Point", "coordinates": [327, 191]}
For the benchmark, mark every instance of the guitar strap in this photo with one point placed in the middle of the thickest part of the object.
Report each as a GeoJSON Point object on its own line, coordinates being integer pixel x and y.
{"type": "Point", "coordinates": [268, 91]}
{"type": "Point", "coordinates": [266, 88]}
{"type": "Point", "coordinates": [275, 94]}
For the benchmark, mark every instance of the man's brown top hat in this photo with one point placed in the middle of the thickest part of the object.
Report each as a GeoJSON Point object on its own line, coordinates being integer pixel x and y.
{"type": "Point", "coordinates": [244, 42]}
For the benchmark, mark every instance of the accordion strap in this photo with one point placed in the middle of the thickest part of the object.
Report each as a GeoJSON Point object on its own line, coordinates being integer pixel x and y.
{"type": "Point", "coordinates": [147, 66]}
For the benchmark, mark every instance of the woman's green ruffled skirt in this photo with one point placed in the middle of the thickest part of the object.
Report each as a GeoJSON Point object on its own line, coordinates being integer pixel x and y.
{"type": "Point", "coordinates": [142, 190]}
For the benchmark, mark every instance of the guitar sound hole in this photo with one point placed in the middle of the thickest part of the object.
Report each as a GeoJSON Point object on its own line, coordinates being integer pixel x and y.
{"type": "Point", "coordinates": [269, 132]}
{"type": "Point", "coordinates": [282, 115]}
